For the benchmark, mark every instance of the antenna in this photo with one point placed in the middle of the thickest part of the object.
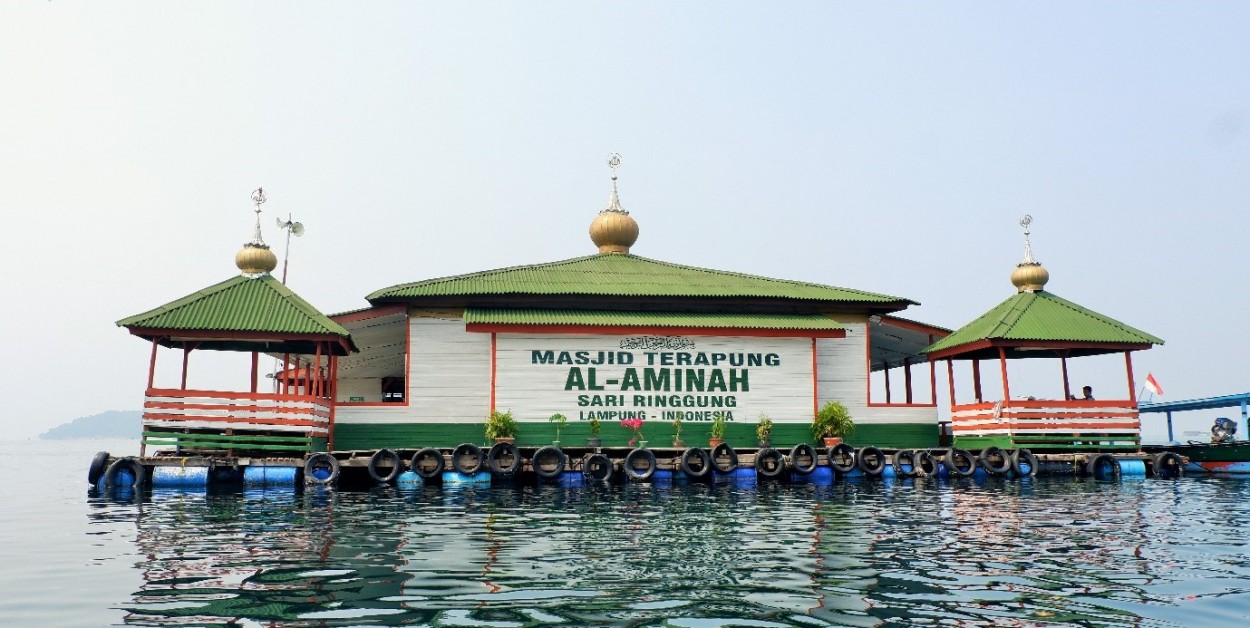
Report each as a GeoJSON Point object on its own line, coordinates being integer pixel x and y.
{"type": "Point", "coordinates": [292, 228]}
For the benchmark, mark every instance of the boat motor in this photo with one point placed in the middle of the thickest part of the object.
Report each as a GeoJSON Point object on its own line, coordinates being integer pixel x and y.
{"type": "Point", "coordinates": [1223, 430]}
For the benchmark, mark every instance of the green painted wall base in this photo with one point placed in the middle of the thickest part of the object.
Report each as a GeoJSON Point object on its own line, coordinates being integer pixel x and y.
{"type": "Point", "coordinates": [349, 436]}
{"type": "Point", "coordinates": [974, 443]}
{"type": "Point", "coordinates": [1060, 442]}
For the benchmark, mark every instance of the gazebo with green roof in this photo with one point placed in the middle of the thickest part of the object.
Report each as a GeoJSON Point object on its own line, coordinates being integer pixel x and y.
{"type": "Point", "coordinates": [250, 313]}
{"type": "Point", "coordinates": [1037, 324]}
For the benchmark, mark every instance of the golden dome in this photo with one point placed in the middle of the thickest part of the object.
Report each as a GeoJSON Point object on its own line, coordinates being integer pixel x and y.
{"type": "Point", "coordinates": [613, 230]}
{"type": "Point", "coordinates": [255, 259]}
{"type": "Point", "coordinates": [1029, 277]}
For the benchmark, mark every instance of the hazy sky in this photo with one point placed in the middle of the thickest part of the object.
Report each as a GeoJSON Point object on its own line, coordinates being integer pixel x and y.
{"type": "Point", "coordinates": [883, 146]}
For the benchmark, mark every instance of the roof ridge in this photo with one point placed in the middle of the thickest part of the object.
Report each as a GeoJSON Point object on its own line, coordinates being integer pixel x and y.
{"type": "Point", "coordinates": [791, 282]}
{"type": "Point", "coordinates": [481, 273]}
{"type": "Point", "coordinates": [1018, 306]}
{"type": "Point", "coordinates": [619, 264]}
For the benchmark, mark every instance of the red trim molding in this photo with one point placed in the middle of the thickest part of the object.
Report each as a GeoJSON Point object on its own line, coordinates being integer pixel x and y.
{"type": "Point", "coordinates": [625, 330]}
{"type": "Point", "coordinates": [956, 351]}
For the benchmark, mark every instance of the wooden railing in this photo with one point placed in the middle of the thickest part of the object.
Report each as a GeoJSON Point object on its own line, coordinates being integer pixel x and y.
{"type": "Point", "coordinates": [1047, 423]}
{"type": "Point", "coordinates": [203, 419]}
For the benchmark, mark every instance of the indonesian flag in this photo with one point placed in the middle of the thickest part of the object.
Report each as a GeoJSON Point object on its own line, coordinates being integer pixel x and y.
{"type": "Point", "coordinates": [1153, 385]}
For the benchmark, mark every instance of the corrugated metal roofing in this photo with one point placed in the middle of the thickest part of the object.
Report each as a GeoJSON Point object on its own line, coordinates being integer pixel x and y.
{"type": "Point", "coordinates": [1043, 316]}
{"type": "Point", "coordinates": [624, 275]}
{"type": "Point", "coordinates": [805, 322]}
{"type": "Point", "coordinates": [260, 304]}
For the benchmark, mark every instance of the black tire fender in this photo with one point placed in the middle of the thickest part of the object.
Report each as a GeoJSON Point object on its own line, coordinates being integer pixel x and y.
{"type": "Point", "coordinates": [841, 457]}
{"type": "Point", "coordinates": [923, 464]}
{"type": "Point", "coordinates": [382, 456]}
{"type": "Point", "coordinates": [1021, 457]}
{"type": "Point", "coordinates": [995, 460]}
{"type": "Point", "coordinates": [705, 462]}
{"type": "Point", "coordinates": [547, 454]}
{"type": "Point", "coordinates": [960, 462]}
{"type": "Point", "coordinates": [467, 458]}
{"type": "Point", "coordinates": [317, 461]}
{"type": "Point", "coordinates": [724, 458]}
{"type": "Point", "coordinates": [871, 460]}
{"type": "Point", "coordinates": [598, 467]}
{"type": "Point", "coordinates": [631, 464]}
{"type": "Point", "coordinates": [498, 453]}
{"type": "Point", "coordinates": [99, 464]}
{"type": "Point", "coordinates": [1097, 462]}
{"type": "Point", "coordinates": [897, 462]}
{"type": "Point", "coordinates": [419, 460]}
{"type": "Point", "coordinates": [800, 452]}
{"type": "Point", "coordinates": [770, 463]}
{"type": "Point", "coordinates": [132, 464]}
{"type": "Point", "coordinates": [1168, 464]}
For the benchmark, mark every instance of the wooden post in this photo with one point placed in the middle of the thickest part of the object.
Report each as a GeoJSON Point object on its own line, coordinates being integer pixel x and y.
{"type": "Point", "coordinates": [932, 378]}
{"type": "Point", "coordinates": [284, 386]}
{"type": "Point", "coordinates": [255, 369]}
{"type": "Point", "coordinates": [152, 363]}
{"type": "Point", "coordinates": [1002, 363]}
{"type": "Point", "coordinates": [317, 361]}
{"type": "Point", "coordinates": [1067, 388]}
{"type": "Point", "coordinates": [816, 383]}
{"type": "Point", "coordinates": [867, 362]}
{"type": "Point", "coordinates": [976, 381]}
{"type": "Point", "coordinates": [887, 382]}
{"type": "Point", "coordinates": [1128, 366]}
{"type": "Point", "coordinates": [907, 378]}
{"type": "Point", "coordinates": [950, 381]}
{"type": "Point", "coordinates": [494, 345]}
{"type": "Point", "coordinates": [186, 353]}
{"type": "Point", "coordinates": [334, 377]}
{"type": "Point", "coordinates": [334, 380]}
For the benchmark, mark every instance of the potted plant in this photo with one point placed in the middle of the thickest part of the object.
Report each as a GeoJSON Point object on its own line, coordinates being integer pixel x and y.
{"type": "Point", "coordinates": [560, 420]}
{"type": "Point", "coordinates": [764, 431]}
{"type": "Point", "coordinates": [677, 441]}
{"type": "Point", "coordinates": [595, 427]}
{"type": "Point", "coordinates": [716, 435]}
{"type": "Point", "coordinates": [832, 423]}
{"type": "Point", "coordinates": [501, 427]}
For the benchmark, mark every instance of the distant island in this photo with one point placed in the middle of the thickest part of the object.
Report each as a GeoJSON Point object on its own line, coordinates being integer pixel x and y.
{"type": "Point", "coordinates": [111, 424]}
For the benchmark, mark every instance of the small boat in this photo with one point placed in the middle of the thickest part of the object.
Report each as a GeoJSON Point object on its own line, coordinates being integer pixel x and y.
{"type": "Point", "coordinates": [1223, 454]}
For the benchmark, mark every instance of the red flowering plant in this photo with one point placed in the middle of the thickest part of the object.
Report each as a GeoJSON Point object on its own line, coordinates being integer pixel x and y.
{"type": "Point", "coordinates": [635, 425]}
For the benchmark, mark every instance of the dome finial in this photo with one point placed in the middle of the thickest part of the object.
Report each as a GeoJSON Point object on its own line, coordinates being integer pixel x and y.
{"type": "Point", "coordinates": [614, 230]}
{"type": "Point", "coordinates": [259, 198]}
{"type": "Point", "coordinates": [1029, 275]}
{"type": "Point", "coordinates": [1028, 247]}
{"type": "Point", "coordinates": [614, 200]}
{"type": "Point", "coordinates": [255, 258]}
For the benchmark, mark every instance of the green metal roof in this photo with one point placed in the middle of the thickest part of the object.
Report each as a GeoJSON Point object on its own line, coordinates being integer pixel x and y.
{"type": "Point", "coordinates": [249, 307]}
{"type": "Point", "coordinates": [625, 276]}
{"type": "Point", "coordinates": [1046, 319]}
{"type": "Point", "coordinates": [798, 322]}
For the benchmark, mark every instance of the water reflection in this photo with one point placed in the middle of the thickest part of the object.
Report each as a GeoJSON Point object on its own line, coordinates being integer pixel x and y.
{"type": "Point", "coordinates": [969, 551]}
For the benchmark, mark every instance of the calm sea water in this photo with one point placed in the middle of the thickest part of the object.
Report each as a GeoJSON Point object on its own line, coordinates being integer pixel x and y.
{"type": "Point", "coordinates": [863, 553]}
